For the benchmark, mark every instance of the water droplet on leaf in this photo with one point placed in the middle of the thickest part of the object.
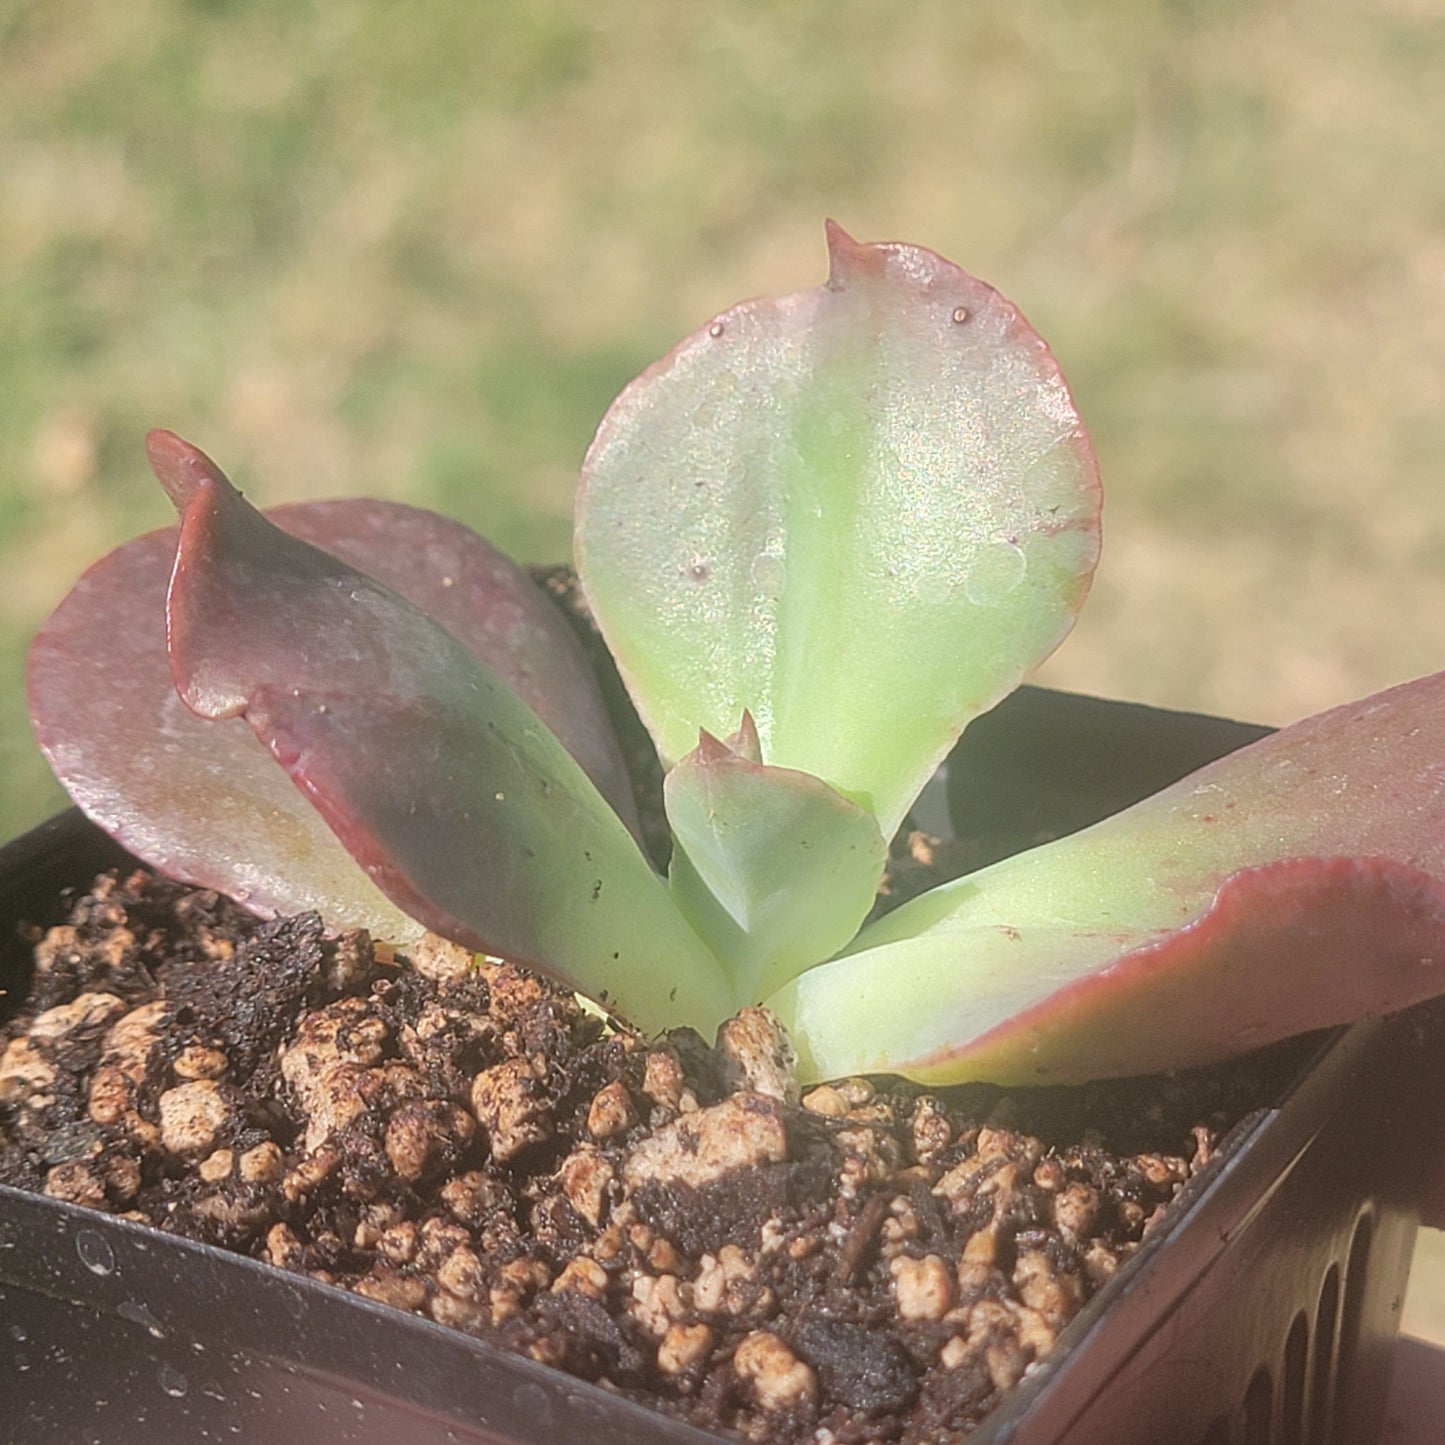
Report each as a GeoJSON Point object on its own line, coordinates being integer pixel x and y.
{"type": "Point", "coordinates": [995, 572]}
{"type": "Point", "coordinates": [768, 574]}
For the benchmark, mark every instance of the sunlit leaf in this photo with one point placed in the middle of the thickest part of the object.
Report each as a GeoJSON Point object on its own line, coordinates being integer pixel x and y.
{"type": "Point", "coordinates": [861, 513]}
{"type": "Point", "coordinates": [772, 866]}
{"type": "Point", "coordinates": [1296, 883]}
{"type": "Point", "coordinates": [441, 782]}
{"type": "Point", "coordinates": [202, 800]}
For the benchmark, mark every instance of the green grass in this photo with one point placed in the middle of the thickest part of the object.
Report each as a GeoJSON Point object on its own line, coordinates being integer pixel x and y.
{"type": "Point", "coordinates": [413, 250]}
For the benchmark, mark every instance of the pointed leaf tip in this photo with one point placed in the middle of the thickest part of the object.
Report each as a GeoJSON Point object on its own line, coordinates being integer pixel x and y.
{"type": "Point", "coordinates": [436, 775]}
{"type": "Point", "coordinates": [847, 257]}
{"type": "Point", "coordinates": [711, 749]}
{"type": "Point", "coordinates": [182, 469]}
{"type": "Point", "coordinates": [741, 746]}
{"type": "Point", "coordinates": [900, 427]}
{"type": "Point", "coordinates": [772, 866]}
{"type": "Point", "coordinates": [202, 800]}
{"type": "Point", "coordinates": [745, 742]}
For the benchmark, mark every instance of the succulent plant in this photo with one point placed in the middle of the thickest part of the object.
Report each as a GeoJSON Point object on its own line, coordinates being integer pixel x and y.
{"type": "Point", "coordinates": [819, 537]}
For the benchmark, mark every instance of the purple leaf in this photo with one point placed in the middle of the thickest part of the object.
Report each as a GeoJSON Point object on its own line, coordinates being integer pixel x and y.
{"type": "Point", "coordinates": [202, 800]}
{"type": "Point", "coordinates": [467, 586]}
{"type": "Point", "coordinates": [199, 800]}
{"type": "Point", "coordinates": [437, 777]}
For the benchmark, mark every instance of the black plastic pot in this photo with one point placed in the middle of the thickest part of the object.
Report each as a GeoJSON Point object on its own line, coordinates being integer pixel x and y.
{"type": "Point", "coordinates": [1264, 1311]}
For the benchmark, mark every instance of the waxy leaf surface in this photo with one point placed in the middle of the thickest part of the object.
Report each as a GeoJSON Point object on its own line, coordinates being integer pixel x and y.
{"type": "Point", "coordinates": [772, 866]}
{"type": "Point", "coordinates": [490, 605]}
{"type": "Point", "coordinates": [202, 800]}
{"type": "Point", "coordinates": [1297, 883]}
{"type": "Point", "coordinates": [459, 803]}
{"type": "Point", "coordinates": [862, 513]}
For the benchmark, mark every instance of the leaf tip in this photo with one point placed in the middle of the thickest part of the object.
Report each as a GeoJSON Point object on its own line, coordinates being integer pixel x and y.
{"type": "Point", "coordinates": [847, 258]}
{"type": "Point", "coordinates": [711, 749]}
{"type": "Point", "coordinates": [182, 469]}
{"type": "Point", "coordinates": [745, 742]}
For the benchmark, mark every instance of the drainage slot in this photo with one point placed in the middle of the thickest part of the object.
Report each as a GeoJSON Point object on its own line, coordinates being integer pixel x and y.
{"type": "Point", "coordinates": [1322, 1385]}
{"type": "Point", "coordinates": [1258, 1409]}
{"type": "Point", "coordinates": [1352, 1315]}
{"type": "Point", "coordinates": [1292, 1386]}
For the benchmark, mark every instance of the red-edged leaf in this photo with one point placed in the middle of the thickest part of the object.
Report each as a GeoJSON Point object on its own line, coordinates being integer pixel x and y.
{"type": "Point", "coordinates": [1296, 883]}
{"type": "Point", "coordinates": [863, 513]}
{"type": "Point", "coordinates": [1284, 948]}
{"type": "Point", "coordinates": [437, 777]}
{"type": "Point", "coordinates": [202, 800]}
{"type": "Point", "coordinates": [467, 586]}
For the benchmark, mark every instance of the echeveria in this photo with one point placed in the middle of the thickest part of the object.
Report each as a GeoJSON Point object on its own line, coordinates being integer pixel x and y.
{"type": "Point", "coordinates": [819, 537]}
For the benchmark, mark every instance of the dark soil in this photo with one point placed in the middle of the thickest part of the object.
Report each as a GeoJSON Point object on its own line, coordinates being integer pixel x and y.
{"type": "Point", "coordinates": [866, 1263]}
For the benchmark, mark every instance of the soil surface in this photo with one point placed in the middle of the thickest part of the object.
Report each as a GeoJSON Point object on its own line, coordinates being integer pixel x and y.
{"type": "Point", "coordinates": [864, 1262]}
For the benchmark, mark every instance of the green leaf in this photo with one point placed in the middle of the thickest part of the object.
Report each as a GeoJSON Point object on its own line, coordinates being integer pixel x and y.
{"type": "Point", "coordinates": [861, 513]}
{"type": "Point", "coordinates": [1297, 883]}
{"type": "Point", "coordinates": [771, 866]}
{"type": "Point", "coordinates": [437, 777]}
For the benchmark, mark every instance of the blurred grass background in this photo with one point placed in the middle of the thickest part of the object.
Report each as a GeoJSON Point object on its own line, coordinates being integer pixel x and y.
{"type": "Point", "coordinates": [412, 251]}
